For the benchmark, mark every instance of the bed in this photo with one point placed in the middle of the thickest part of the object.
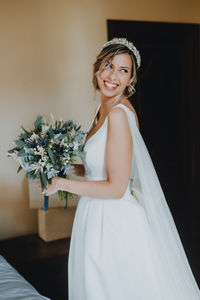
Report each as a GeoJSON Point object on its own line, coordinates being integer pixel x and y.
{"type": "Point", "coordinates": [13, 286]}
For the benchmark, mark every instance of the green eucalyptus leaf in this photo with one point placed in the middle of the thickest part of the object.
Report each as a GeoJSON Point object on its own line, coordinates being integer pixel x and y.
{"type": "Point", "coordinates": [23, 136]}
{"type": "Point", "coordinates": [38, 121]}
{"type": "Point", "coordinates": [19, 169]}
{"type": "Point", "coordinates": [43, 181]}
{"type": "Point", "coordinates": [19, 143]}
{"type": "Point", "coordinates": [24, 130]}
{"type": "Point", "coordinates": [78, 127]}
{"type": "Point", "coordinates": [51, 133]}
{"type": "Point", "coordinates": [50, 152]}
{"type": "Point", "coordinates": [37, 175]}
{"type": "Point", "coordinates": [12, 150]}
{"type": "Point", "coordinates": [62, 136]}
{"type": "Point", "coordinates": [21, 153]}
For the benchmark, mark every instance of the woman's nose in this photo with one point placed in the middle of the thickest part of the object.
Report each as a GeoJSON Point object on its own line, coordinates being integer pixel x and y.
{"type": "Point", "coordinates": [112, 74]}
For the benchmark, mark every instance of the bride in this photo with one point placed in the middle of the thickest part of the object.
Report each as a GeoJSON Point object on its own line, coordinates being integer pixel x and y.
{"type": "Point", "coordinates": [124, 243]}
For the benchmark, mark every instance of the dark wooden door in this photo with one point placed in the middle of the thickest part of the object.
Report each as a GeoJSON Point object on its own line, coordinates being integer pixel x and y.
{"type": "Point", "coordinates": [167, 103]}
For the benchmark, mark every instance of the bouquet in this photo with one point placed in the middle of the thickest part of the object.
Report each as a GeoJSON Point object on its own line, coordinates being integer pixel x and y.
{"type": "Point", "coordinates": [48, 150]}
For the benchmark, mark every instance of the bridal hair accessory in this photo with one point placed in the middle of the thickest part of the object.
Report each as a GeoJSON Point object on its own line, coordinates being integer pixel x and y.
{"type": "Point", "coordinates": [129, 45]}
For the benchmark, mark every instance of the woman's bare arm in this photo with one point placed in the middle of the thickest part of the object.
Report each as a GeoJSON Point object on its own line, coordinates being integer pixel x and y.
{"type": "Point", "coordinates": [119, 149]}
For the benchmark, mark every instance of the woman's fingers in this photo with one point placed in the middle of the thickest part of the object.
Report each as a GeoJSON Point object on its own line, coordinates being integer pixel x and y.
{"type": "Point", "coordinates": [48, 191]}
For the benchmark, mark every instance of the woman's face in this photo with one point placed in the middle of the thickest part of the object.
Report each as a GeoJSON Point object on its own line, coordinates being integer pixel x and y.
{"type": "Point", "coordinates": [115, 76]}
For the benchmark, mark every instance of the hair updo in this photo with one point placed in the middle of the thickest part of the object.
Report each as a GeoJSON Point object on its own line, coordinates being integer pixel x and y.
{"type": "Point", "coordinates": [106, 55]}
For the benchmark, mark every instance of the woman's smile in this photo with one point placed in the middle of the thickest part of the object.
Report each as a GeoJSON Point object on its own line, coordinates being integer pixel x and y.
{"type": "Point", "coordinates": [110, 85]}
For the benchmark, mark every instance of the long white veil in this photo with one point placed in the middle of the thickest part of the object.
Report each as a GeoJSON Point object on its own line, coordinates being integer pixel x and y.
{"type": "Point", "coordinates": [171, 264]}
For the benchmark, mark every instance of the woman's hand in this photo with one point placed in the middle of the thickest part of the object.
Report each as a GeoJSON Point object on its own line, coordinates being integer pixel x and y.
{"type": "Point", "coordinates": [51, 188]}
{"type": "Point", "coordinates": [78, 170]}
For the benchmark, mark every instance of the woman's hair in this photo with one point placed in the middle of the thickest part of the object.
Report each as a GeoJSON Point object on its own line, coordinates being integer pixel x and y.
{"type": "Point", "coordinates": [106, 56]}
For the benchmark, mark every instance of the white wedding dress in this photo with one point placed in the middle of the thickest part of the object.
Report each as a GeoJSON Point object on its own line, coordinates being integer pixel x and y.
{"type": "Point", "coordinates": [127, 248]}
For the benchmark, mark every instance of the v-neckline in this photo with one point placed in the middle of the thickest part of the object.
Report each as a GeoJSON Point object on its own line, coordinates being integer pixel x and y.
{"type": "Point", "coordinates": [96, 131]}
{"type": "Point", "coordinates": [104, 120]}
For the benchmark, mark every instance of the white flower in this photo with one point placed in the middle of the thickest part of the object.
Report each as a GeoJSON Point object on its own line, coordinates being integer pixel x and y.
{"type": "Point", "coordinates": [40, 151]}
{"type": "Point", "coordinates": [49, 166]}
{"type": "Point", "coordinates": [56, 136]}
{"type": "Point", "coordinates": [31, 167]}
{"type": "Point", "coordinates": [41, 163]}
{"type": "Point", "coordinates": [61, 122]}
{"type": "Point", "coordinates": [65, 160]}
{"type": "Point", "coordinates": [45, 158]}
{"type": "Point", "coordinates": [76, 145]}
{"type": "Point", "coordinates": [45, 128]}
{"type": "Point", "coordinates": [34, 137]}
{"type": "Point", "coordinates": [52, 173]}
{"type": "Point", "coordinates": [62, 143]}
{"type": "Point", "coordinates": [35, 167]}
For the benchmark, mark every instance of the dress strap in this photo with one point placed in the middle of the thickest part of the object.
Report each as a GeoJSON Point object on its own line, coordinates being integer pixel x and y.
{"type": "Point", "coordinates": [96, 112]}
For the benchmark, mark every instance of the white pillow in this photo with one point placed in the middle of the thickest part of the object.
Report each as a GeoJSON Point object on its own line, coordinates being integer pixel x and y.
{"type": "Point", "coordinates": [15, 287]}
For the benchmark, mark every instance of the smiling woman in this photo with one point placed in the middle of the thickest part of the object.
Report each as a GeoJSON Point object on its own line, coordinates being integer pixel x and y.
{"type": "Point", "coordinates": [124, 242]}
{"type": "Point", "coordinates": [115, 62]}
{"type": "Point", "coordinates": [114, 76]}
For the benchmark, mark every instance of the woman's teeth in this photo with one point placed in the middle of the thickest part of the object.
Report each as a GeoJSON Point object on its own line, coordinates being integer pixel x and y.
{"type": "Point", "coordinates": [110, 85]}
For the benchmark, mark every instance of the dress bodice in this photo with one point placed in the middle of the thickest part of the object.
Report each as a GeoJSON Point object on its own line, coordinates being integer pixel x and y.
{"type": "Point", "coordinates": [94, 160]}
{"type": "Point", "coordinates": [95, 152]}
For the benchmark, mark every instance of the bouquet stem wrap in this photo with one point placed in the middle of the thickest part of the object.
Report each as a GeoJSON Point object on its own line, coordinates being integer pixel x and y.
{"type": "Point", "coordinates": [63, 195]}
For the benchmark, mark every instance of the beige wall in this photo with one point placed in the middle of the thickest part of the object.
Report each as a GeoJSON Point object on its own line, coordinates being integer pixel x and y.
{"type": "Point", "coordinates": [47, 51]}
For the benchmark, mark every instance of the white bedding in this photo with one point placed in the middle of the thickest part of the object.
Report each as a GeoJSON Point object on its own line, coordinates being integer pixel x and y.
{"type": "Point", "coordinates": [13, 286]}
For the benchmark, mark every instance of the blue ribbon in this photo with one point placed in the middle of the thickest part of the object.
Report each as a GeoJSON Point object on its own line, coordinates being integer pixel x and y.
{"type": "Point", "coordinates": [46, 203]}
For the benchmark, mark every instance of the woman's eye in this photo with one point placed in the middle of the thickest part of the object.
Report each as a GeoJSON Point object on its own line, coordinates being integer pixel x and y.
{"type": "Point", "coordinates": [109, 66]}
{"type": "Point", "coordinates": [125, 70]}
